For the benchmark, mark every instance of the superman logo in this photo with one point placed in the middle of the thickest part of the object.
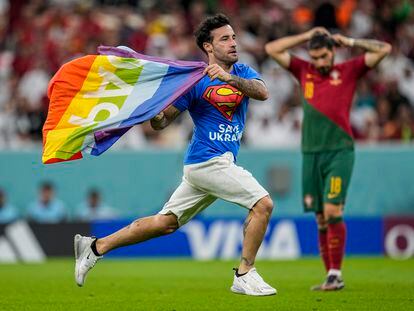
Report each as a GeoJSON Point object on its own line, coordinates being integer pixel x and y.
{"type": "Point", "coordinates": [225, 98]}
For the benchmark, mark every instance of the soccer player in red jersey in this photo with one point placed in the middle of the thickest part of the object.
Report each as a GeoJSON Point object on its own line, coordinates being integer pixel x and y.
{"type": "Point", "coordinates": [327, 140]}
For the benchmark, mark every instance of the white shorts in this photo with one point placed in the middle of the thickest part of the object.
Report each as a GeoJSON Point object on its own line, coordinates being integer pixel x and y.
{"type": "Point", "coordinates": [216, 178]}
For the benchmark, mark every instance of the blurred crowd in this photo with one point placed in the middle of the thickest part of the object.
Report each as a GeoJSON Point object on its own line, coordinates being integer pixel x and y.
{"type": "Point", "coordinates": [48, 208]}
{"type": "Point", "coordinates": [37, 36]}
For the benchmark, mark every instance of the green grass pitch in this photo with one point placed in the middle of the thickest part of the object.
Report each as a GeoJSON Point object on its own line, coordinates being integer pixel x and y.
{"type": "Point", "coordinates": [182, 284]}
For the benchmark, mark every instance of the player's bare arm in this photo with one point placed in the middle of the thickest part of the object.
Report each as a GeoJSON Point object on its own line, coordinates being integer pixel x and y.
{"type": "Point", "coordinates": [164, 118]}
{"type": "Point", "coordinates": [375, 50]}
{"type": "Point", "coordinates": [253, 88]}
{"type": "Point", "coordinates": [278, 49]}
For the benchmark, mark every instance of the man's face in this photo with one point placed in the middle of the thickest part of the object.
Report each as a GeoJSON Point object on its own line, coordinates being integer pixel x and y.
{"type": "Point", "coordinates": [223, 46]}
{"type": "Point", "coordinates": [46, 194]}
{"type": "Point", "coordinates": [94, 200]}
{"type": "Point", "coordinates": [322, 59]}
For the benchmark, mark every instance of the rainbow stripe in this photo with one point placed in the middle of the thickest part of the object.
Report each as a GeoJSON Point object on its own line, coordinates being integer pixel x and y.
{"type": "Point", "coordinates": [96, 99]}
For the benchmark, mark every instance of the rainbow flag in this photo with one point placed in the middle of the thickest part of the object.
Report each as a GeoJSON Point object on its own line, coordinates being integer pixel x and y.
{"type": "Point", "coordinates": [96, 99]}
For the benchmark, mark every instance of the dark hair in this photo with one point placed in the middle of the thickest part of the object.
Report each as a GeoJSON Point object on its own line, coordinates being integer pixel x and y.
{"type": "Point", "coordinates": [93, 192]}
{"type": "Point", "coordinates": [321, 40]}
{"type": "Point", "coordinates": [203, 31]}
{"type": "Point", "coordinates": [47, 185]}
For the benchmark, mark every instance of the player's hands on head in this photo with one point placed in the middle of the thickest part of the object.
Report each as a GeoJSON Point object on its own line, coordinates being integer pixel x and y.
{"type": "Point", "coordinates": [315, 30]}
{"type": "Point", "coordinates": [215, 71]}
{"type": "Point", "coordinates": [342, 40]}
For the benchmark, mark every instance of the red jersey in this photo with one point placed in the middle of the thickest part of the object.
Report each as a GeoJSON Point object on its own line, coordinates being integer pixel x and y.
{"type": "Point", "coordinates": [327, 103]}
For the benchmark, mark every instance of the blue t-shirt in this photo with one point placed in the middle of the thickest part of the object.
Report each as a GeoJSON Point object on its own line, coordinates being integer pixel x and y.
{"type": "Point", "coordinates": [218, 111]}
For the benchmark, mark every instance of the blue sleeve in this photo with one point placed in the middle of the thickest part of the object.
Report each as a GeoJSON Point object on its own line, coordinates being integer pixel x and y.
{"type": "Point", "coordinates": [250, 74]}
{"type": "Point", "coordinates": [184, 102]}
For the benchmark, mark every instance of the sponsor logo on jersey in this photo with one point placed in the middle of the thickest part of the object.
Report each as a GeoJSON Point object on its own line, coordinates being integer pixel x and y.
{"type": "Point", "coordinates": [225, 98]}
{"type": "Point", "coordinates": [332, 195]}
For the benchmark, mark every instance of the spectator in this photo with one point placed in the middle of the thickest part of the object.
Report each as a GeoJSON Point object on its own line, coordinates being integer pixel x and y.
{"type": "Point", "coordinates": [8, 213]}
{"type": "Point", "coordinates": [361, 21]}
{"type": "Point", "coordinates": [406, 85]}
{"type": "Point", "coordinates": [284, 130]}
{"type": "Point", "coordinates": [281, 87]}
{"type": "Point", "coordinates": [47, 208]}
{"type": "Point", "coordinates": [401, 127]}
{"type": "Point", "coordinates": [94, 209]}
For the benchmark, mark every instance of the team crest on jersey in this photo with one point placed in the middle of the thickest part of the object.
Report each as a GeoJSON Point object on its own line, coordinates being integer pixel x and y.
{"type": "Point", "coordinates": [225, 98]}
{"type": "Point", "coordinates": [335, 78]}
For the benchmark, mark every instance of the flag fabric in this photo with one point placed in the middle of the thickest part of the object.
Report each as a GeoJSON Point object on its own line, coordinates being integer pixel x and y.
{"type": "Point", "coordinates": [96, 99]}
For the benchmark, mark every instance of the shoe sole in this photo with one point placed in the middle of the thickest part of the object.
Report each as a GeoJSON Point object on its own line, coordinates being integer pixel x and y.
{"type": "Point", "coordinates": [321, 288]}
{"type": "Point", "coordinates": [239, 291]}
{"type": "Point", "coordinates": [76, 240]}
{"type": "Point", "coordinates": [331, 289]}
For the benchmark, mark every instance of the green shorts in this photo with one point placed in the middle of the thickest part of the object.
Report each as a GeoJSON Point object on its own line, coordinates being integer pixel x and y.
{"type": "Point", "coordinates": [325, 178]}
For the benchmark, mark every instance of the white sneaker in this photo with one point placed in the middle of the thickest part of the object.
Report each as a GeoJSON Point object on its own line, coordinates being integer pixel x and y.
{"type": "Point", "coordinates": [84, 257]}
{"type": "Point", "coordinates": [252, 284]}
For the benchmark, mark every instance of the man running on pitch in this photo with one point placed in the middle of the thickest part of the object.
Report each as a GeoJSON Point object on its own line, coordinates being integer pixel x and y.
{"type": "Point", "coordinates": [217, 105]}
{"type": "Point", "coordinates": [327, 141]}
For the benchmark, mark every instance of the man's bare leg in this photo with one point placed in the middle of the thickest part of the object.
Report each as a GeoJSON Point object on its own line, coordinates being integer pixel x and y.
{"type": "Point", "coordinates": [138, 231]}
{"type": "Point", "coordinates": [254, 230]}
{"type": "Point", "coordinates": [89, 250]}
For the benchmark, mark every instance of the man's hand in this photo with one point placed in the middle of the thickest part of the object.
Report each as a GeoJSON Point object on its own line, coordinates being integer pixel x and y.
{"type": "Point", "coordinates": [375, 50]}
{"type": "Point", "coordinates": [215, 71]}
{"type": "Point", "coordinates": [343, 41]}
{"type": "Point", "coordinates": [164, 118]}
{"type": "Point", "coordinates": [158, 117]}
{"type": "Point", "coordinates": [159, 121]}
{"type": "Point", "coordinates": [315, 30]}
{"type": "Point", "coordinates": [278, 49]}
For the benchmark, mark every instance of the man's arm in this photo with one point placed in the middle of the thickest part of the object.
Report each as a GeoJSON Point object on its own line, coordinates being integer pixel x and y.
{"type": "Point", "coordinates": [164, 118]}
{"type": "Point", "coordinates": [375, 50]}
{"type": "Point", "coordinates": [252, 88]}
{"type": "Point", "coordinates": [278, 49]}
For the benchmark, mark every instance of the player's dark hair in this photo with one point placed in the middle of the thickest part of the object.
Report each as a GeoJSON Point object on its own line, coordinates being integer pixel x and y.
{"type": "Point", "coordinates": [321, 40]}
{"type": "Point", "coordinates": [203, 31]}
